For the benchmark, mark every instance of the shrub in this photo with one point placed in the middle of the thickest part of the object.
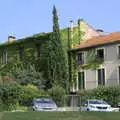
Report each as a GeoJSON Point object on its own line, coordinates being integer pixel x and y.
{"type": "Point", "coordinates": [28, 75]}
{"type": "Point", "coordinates": [10, 95]}
{"type": "Point", "coordinates": [29, 93]}
{"type": "Point", "coordinates": [58, 94]}
{"type": "Point", "coordinates": [111, 94]}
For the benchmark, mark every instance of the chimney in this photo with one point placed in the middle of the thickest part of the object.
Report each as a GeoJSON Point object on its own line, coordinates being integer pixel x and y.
{"type": "Point", "coordinates": [11, 38]}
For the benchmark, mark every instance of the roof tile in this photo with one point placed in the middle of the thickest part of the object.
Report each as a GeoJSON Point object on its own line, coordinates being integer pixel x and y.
{"type": "Point", "coordinates": [99, 40]}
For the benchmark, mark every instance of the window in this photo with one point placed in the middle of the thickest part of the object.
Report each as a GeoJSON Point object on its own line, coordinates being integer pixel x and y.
{"type": "Point", "coordinates": [80, 58]}
{"type": "Point", "coordinates": [101, 76]}
{"type": "Point", "coordinates": [21, 53]}
{"type": "Point", "coordinates": [100, 53]}
{"type": "Point", "coordinates": [81, 80]}
{"type": "Point", "coordinates": [4, 57]}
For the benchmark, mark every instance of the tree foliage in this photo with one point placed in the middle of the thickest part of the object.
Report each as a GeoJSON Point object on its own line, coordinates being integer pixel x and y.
{"type": "Point", "coordinates": [22, 73]}
{"type": "Point", "coordinates": [10, 95]}
{"type": "Point", "coordinates": [29, 93]}
{"type": "Point", "coordinates": [28, 75]}
{"type": "Point", "coordinates": [58, 94]}
{"type": "Point", "coordinates": [56, 70]}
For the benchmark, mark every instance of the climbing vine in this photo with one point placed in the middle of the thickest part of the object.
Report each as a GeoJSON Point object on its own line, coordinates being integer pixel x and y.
{"type": "Point", "coordinates": [92, 61]}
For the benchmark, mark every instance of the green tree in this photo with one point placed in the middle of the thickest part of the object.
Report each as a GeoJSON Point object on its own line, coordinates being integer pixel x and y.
{"type": "Point", "coordinates": [57, 66]}
{"type": "Point", "coordinates": [57, 93]}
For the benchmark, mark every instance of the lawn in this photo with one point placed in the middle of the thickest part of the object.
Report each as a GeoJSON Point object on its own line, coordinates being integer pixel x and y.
{"type": "Point", "coordinates": [59, 116]}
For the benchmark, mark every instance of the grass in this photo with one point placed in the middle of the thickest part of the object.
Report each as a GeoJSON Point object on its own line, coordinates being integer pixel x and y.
{"type": "Point", "coordinates": [59, 116]}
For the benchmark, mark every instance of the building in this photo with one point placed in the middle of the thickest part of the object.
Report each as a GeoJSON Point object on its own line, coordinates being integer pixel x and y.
{"type": "Point", "coordinates": [104, 49]}
{"type": "Point", "coordinates": [33, 46]}
{"type": "Point", "coordinates": [81, 40]}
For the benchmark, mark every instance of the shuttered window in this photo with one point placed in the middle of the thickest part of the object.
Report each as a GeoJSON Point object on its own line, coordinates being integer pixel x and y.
{"type": "Point", "coordinates": [101, 76]}
{"type": "Point", "coordinates": [81, 80]}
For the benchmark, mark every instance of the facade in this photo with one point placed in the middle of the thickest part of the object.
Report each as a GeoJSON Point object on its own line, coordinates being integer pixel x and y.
{"type": "Point", "coordinates": [33, 46]}
{"type": "Point", "coordinates": [107, 50]}
{"type": "Point", "coordinates": [78, 39]}
{"type": "Point", "coordinates": [18, 50]}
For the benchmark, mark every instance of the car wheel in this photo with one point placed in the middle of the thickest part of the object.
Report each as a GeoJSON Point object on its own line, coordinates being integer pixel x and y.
{"type": "Point", "coordinates": [87, 109]}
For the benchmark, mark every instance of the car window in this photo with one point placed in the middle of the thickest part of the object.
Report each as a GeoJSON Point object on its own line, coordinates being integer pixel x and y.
{"type": "Point", "coordinates": [97, 102]}
{"type": "Point", "coordinates": [46, 101]}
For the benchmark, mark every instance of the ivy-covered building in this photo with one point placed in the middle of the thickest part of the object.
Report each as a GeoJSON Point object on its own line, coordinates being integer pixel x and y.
{"type": "Point", "coordinates": [32, 50]}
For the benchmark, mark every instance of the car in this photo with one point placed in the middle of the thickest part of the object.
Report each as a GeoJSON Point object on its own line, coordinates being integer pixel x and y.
{"type": "Point", "coordinates": [98, 105]}
{"type": "Point", "coordinates": [44, 104]}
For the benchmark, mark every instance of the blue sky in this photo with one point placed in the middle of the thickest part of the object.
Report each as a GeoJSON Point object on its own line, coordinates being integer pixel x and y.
{"type": "Point", "coordinates": [26, 17]}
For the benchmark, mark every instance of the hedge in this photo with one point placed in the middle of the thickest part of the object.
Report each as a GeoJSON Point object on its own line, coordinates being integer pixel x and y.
{"type": "Point", "coordinates": [111, 94]}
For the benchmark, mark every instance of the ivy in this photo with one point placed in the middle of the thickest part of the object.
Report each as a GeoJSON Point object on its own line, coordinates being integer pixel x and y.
{"type": "Point", "coordinates": [56, 69]}
{"type": "Point", "coordinates": [92, 61]}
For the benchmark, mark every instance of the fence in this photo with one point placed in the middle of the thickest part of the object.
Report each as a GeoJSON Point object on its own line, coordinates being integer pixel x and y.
{"type": "Point", "coordinates": [75, 100]}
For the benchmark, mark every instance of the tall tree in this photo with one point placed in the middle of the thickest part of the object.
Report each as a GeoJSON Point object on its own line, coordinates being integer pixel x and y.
{"type": "Point", "coordinates": [57, 65]}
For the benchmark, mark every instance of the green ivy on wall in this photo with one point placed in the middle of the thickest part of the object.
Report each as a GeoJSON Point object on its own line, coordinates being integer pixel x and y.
{"type": "Point", "coordinates": [92, 61]}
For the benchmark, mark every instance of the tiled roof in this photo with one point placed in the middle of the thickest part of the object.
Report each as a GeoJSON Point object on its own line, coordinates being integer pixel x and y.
{"type": "Point", "coordinates": [99, 40]}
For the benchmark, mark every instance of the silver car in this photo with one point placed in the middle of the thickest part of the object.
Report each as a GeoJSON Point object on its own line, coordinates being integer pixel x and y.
{"type": "Point", "coordinates": [44, 104]}
{"type": "Point", "coordinates": [98, 105]}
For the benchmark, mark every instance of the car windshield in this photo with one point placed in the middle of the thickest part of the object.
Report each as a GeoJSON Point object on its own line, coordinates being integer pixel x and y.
{"type": "Point", "coordinates": [97, 102]}
{"type": "Point", "coordinates": [45, 101]}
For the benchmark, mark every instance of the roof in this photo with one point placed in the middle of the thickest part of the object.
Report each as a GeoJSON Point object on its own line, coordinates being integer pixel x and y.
{"type": "Point", "coordinates": [99, 40]}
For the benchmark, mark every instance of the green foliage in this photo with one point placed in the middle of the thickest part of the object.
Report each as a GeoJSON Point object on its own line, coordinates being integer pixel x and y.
{"type": "Point", "coordinates": [92, 62]}
{"type": "Point", "coordinates": [10, 95]}
{"type": "Point", "coordinates": [58, 94]}
{"type": "Point", "coordinates": [18, 107]}
{"type": "Point", "coordinates": [28, 75]}
{"type": "Point", "coordinates": [29, 55]}
{"type": "Point", "coordinates": [73, 68]}
{"type": "Point", "coordinates": [111, 94]}
{"type": "Point", "coordinates": [56, 70]}
{"type": "Point", "coordinates": [13, 95]}
{"type": "Point", "coordinates": [29, 93]}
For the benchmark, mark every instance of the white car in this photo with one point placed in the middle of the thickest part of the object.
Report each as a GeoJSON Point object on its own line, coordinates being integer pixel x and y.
{"type": "Point", "coordinates": [98, 105]}
{"type": "Point", "coordinates": [44, 104]}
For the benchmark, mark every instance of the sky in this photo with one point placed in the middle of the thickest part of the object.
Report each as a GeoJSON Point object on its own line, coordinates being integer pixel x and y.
{"type": "Point", "coordinates": [23, 18]}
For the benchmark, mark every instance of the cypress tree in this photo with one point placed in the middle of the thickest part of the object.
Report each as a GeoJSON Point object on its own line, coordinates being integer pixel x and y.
{"type": "Point", "coordinates": [57, 65]}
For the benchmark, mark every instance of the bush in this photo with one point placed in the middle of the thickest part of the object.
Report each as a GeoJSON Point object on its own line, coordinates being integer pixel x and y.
{"type": "Point", "coordinates": [58, 94]}
{"type": "Point", "coordinates": [29, 93]}
{"type": "Point", "coordinates": [111, 94]}
{"type": "Point", "coordinates": [28, 75]}
{"type": "Point", "coordinates": [10, 95]}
